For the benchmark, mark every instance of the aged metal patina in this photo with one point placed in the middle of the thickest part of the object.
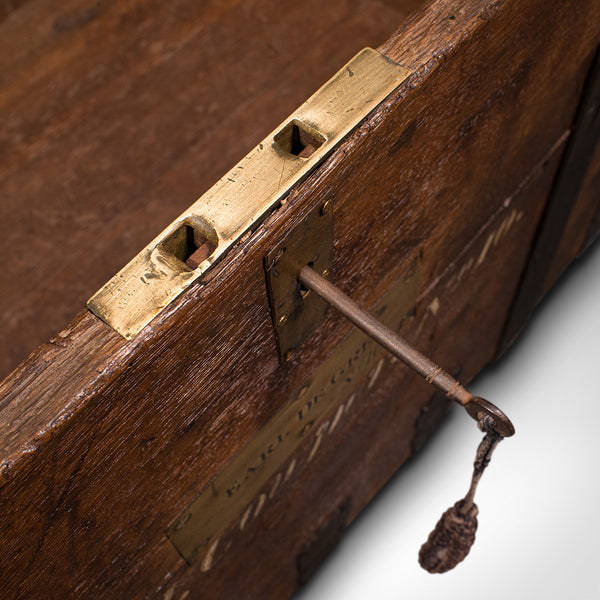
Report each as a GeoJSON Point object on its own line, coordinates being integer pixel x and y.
{"type": "Point", "coordinates": [401, 349]}
{"type": "Point", "coordinates": [242, 199]}
{"type": "Point", "coordinates": [214, 513]}
{"type": "Point", "coordinates": [297, 313]}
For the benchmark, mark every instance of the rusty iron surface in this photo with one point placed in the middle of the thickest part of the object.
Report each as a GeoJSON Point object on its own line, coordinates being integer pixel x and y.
{"type": "Point", "coordinates": [401, 349]}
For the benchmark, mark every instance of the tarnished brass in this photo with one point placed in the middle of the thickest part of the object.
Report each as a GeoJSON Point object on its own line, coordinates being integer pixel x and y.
{"type": "Point", "coordinates": [244, 197]}
{"type": "Point", "coordinates": [211, 517]}
{"type": "Point", "coordinates": [296, 312]}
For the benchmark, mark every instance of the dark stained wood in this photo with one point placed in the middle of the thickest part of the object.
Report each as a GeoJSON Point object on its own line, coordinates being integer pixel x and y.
{"type": "Point", "coordinates": [582, 226]}
{"type": "Point", "coordinates": [114, 114]}
{"type": "Point", "coordinates": [564, 225]}
{"type": "Point", "coordinates": [104, 442]}
{"type": "Point", "coordinates": [589, 191]}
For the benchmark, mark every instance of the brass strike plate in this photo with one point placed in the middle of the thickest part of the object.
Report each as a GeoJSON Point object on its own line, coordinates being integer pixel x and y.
{"type": "Point", "coordinates": [296, 311]}
{"type": "Point", "coordinates": [242, 199]}
{"type": "Point", "coordinates": [219, 517]}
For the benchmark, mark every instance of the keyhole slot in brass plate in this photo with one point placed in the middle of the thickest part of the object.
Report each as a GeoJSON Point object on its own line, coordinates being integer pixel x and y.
{"type": "Point", "coordinates": [298, 139]}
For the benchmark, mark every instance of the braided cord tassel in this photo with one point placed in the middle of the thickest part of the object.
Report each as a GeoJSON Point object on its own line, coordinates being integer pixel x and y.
{"type": "Point", "coordinates": [451, 540]}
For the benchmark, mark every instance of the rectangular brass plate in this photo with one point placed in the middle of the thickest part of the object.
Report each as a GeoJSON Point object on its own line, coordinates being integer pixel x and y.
{"type": "Point", "coordinates": [296, 312]}
{"type": "Point", "coordinates": [203, 523]}
{"type": "Point", "coordinates": [244, 197]}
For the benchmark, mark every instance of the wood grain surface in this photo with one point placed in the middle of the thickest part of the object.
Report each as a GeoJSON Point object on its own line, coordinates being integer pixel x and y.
{"type": "Point", "coordinates": [105, 442]}
{"type": "Point", "coordinates": [566, 224]}
{"type": "Point", "coordinates": [114, 114]}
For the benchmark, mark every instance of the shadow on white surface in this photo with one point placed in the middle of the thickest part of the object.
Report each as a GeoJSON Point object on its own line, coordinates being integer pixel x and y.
{"type": "Point", "coordinates": [539, 501]}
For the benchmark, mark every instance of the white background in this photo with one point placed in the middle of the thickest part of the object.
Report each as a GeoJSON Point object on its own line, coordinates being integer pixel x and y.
{"type": "Point", "coordinates": [539, 501]}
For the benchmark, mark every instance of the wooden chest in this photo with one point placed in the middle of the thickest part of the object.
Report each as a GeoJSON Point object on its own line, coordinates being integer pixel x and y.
{"type": "Point", "coordinates": [447, 178]}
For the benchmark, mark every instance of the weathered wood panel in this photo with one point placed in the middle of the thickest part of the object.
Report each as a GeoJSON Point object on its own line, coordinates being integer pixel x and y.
{"type": "Point", "coordinates": [117, 113]}
{"type": "Point", "coordinates": [455, 167]}
{"type": "Point", "coordinates": [574, 199]}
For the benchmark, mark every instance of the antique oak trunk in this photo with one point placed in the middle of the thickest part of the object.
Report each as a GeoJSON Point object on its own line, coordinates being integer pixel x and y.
{"type": "Point", "coordinates": [205, 427]}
